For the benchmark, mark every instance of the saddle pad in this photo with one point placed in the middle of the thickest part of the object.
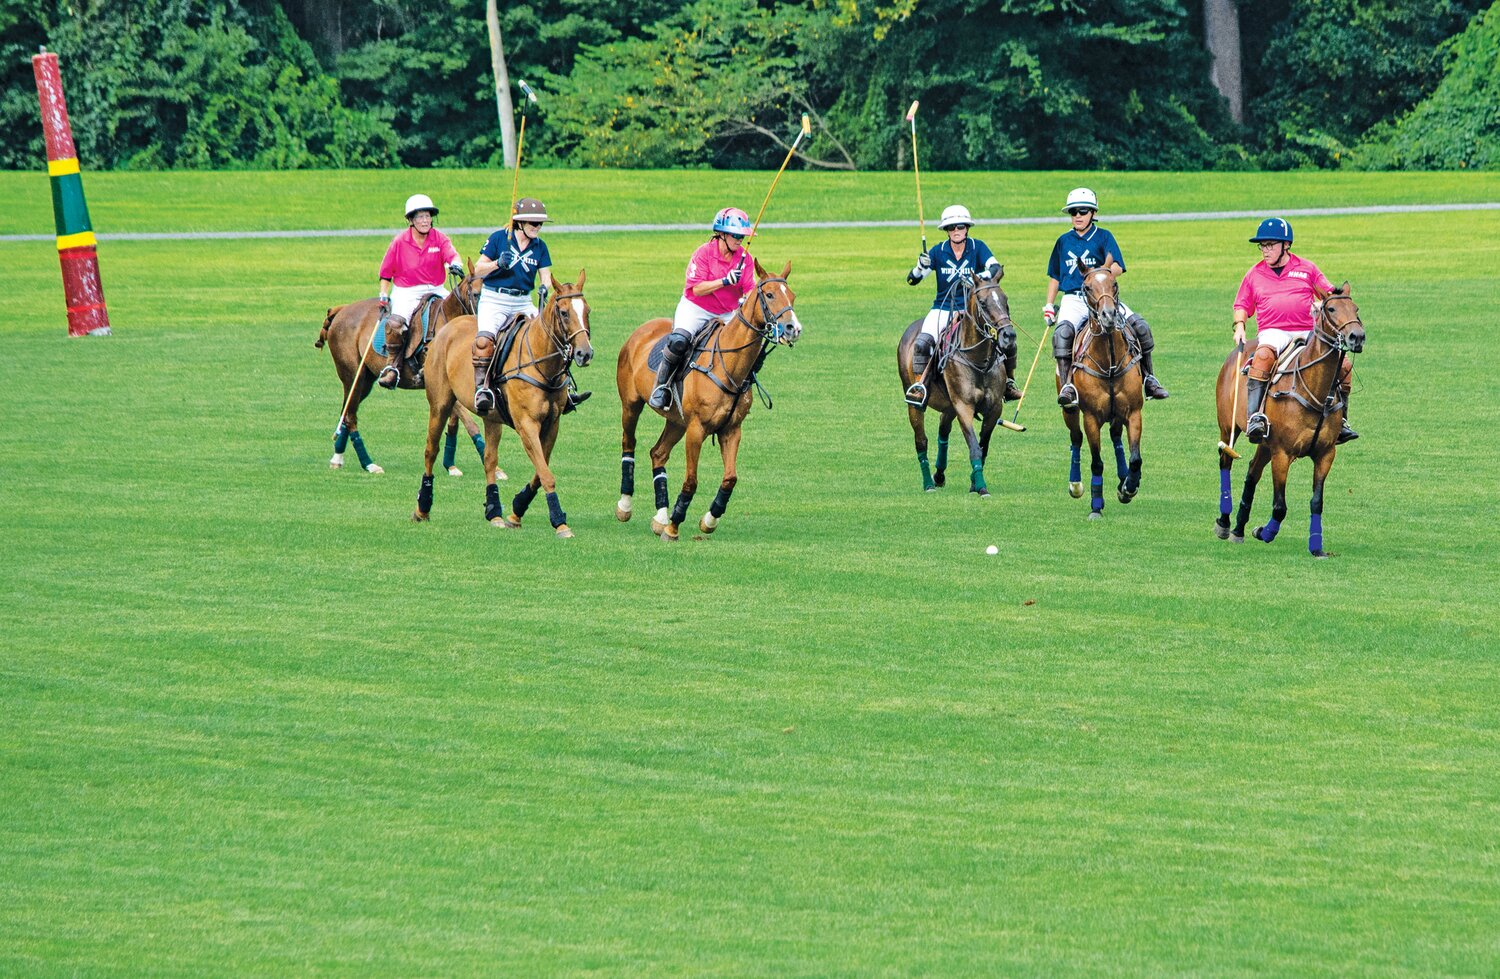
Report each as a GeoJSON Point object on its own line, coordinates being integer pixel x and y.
{"type": "Point", "coordinates": [700, 344]}
{"type": "Point", "coordinates": [658, 352]}
{"type": "Point", "coordinates": [379, 345]}
{"type": "Point", "coordinates": [1287, 353]}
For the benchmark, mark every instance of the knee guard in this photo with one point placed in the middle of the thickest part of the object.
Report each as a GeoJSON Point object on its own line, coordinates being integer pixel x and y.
{"type": "Point", "coordinates": [678, 345]}
{"type": "Point", "coordinates": [1062, 339]}
{"type": "Point", "coordinates": [484, 349]}
{"type": "Point", "coordinates": [1262, 363]}
{"type": "Point", "coordinates": [1142, 331]}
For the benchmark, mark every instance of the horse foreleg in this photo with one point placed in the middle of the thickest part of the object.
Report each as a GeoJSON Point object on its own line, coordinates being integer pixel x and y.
{"type": "Point", "coordinates": [1096, 466]}
{"type": "Point", "coordinates": [945, 428]}
{"type": "Point", "coordinates": [630, 416]}
{"type": "Point", "coordinates": [1116, 433]}
{"type": "Point", "coordinates": [363, 382]}
{"type": "Point", "coordinates": [436, 418]}
{"type": "Point", "coordinates": [537, 445]}
{"type": "Point", "coordinates": [660, 452]}
{"type": "Point", "coordinates": [1132, 482]}
{"type": "Point", "coordinates": [965, 415]}
{"type": "Point", "coordinates": [1247, 495]}
{"type": "Point", "coordinates": [986, 430]}
{"type": "Point", "coordinates": [729, 447]}
{"type": "Point", "coordinates": [1321, 465]}
{"type": "Point", "coordinates": [1281, 462]}
{"type": "Point", "coordinates": [689, 482]}
{"type": "Point", "coordinates": [1075, 450]}
{"type": "Point", "coordinates": [918, 419]}
{"type": "Point", "coordinates": [494, 511]}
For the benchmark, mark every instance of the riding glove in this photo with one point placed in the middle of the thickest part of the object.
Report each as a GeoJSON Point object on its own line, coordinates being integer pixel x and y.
{"type": "Point", "coordinates": [456, 269]}
{"type": "Point", "coordinates": [1049, 314]}
{"type": "Point", "coordinates": [733, 278]}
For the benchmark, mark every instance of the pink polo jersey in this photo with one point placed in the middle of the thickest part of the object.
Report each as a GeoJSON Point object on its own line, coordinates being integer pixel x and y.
{"type": "Point", "coordinates": [709, 263]}
{"type": "Point", "coordinates": [1281, 302]}
{"type": "Point", "coordinates": [408, 264]}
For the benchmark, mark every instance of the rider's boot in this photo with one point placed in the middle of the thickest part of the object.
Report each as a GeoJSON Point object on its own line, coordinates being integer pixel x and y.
{"type": "Point", "coordinates": [672, 356]}
{"type": "Point", "coordinates": [576, 398]}
{"type": "Point", "coordinates": [483, 353]}
{"type": "Point", "coordinates": [1012, 393]}
{"type": "Point", "coordinates": [1067, 396]}
{"type": "Point", "coordinates": [1153, 387]}
{"type": "Point", "coordinates": [1346, 434]}
{"type": "Point", "coordinates": [921, 358]}
{"type": "Point", "coordinates": [1257, 427]}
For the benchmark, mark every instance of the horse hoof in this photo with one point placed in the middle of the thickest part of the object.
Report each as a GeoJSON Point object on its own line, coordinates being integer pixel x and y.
{"type": "Point", "coordinates": [1125, 497]}
{"type": "Point", "coordinates": [1221, 532]}
{"type": "Point", "coordinates": [455, 471]}
{"type": "Point", "coordinates": [512, 521]}
{"type": "Point", "coordinates": [1236, 538]}
{"type": "Point", "coordinates": [669, 535]}
{"type": "Point", "coordinates": [374, 469]}
{"type": "Point", "coordinates": [929, 489]}
{"type": "Point", "coordinates": [500, 473]}
{"type": "Point", "coordinates": [1320, 555]}
{"type": "Point", "coordinates": [707, 527]}
{"type": "Point", "coordinates": [335, 465]}
{"type": "Point", "coordinates": [502, 523]}
{"type": "Point", "coordinates": [984, 494]}
{"type": "Point", "coordinates": [417, 516]}
{"type": "Point", "coordinates": [563, 531]}
{"type": "Point", "coordinates": [622, 515]}
{"type": "Point", "coordinates": [939, 478]}
{"type": "Point", "coordinates": [1095, 515]}
{"type": "Point", "coordinates": [1075, 490]}
{"type": "Point", "coordinates": [657, 527]}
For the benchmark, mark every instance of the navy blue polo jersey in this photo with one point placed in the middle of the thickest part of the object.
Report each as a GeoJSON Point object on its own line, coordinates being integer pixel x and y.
{"type": "Point", "coordinates": [524, 265]}
{"type": "Point", "coordinates": [950, 268]}
{"type": "Point", "coordinates": [1075, 254]}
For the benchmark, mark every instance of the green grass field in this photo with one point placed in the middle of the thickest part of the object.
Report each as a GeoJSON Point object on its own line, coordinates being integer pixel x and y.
{"type": "Point", "coordinates": [254, 721]}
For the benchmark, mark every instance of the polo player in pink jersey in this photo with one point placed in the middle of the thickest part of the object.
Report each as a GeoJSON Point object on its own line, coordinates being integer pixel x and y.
{"type": "Point", "coordinates": [719, 276]}
{"type": "Point", "coordinates": [1280, 291]}
{"type": "Point", "coordinates": [414, 267]}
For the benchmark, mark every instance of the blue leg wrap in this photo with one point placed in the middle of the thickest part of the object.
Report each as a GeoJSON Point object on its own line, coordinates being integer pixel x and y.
{"type": "Point", "coordinates": [1075, 468]}
{"type": "Point", "coordinates": [359, 448]}
{"type": "Point", "coordinates": [680, 509]}
{"type": "Point", "coordinates": [521, 502]}
{"type": "Point", "coordinates": [492, 507]}
{"type": "Point", "coordinates": [1269, 531]}
{"type": "Point", "coordinates": [450, 446]}
{"type": "Point", "coordinates": [341, 438]}
{"type": "Point", "coordinates": [627, 475]}
{"type": "Point", "coordinates": [1120, 467]}
{"type": "Point", "coordinates": [721, 501]}
{"type": "Point", "coordinates": [555, 511]}
{"type": "Point", "coordinates": [479, 445]}
{"type": "Point", "coordinates": [424, 495]}
{"type": "Point", "coordinates": [1224, 495]}
{"type": "Point", "coordinates": [659, 484]}
{"type": "Point", "coordinates": [1315, 534]}
{"type": "Point", "coordinates": [1096, 492]}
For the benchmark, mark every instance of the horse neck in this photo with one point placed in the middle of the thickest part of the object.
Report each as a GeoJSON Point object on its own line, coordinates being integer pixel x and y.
{"type": "Point", "coordinates": [970, 335]}
{"type": "Point", "coordinates": [742, 343]}
{"type": "Point", "coordinates": [1321, 363]}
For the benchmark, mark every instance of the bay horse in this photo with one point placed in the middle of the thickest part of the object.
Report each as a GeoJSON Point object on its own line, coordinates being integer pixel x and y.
{"type": "Point", "coordinates": [970, 380]}
{"type": "Point", "coordinates": [346, 332]}
{"type": "Point", "coordinates": [1305, 412]}
{"type": "Point", "coordinates": [531, 387]}
{"type": "Point", "coordinates": [1110, 391]}
{"type": "Point", "coordinates": [717, 391]}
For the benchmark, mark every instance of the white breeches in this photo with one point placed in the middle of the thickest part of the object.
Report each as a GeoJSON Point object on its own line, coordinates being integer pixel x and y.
{"type": "Point", "coordinates": [404, 299]}
{"type": "Point", "coordinates": [495, 308]}
{"type": "Point", "coordinates": [1072, 309]}
{"type": "Point", "coordinates": [690, 318]}
{"type": "Point", "coordinates": [935, 322]}
{"type": "Point", "coordinates": [1278, 339]}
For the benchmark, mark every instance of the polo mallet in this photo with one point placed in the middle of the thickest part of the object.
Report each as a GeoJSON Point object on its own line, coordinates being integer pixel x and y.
{"type": "Point", "coordinates": [515, 181]}
{"type": "Point", "coordinates": [1234, 403]}
{"type": "Point", "coordinates": [805, 131]}
{"type": "Point", "coordinates": [911, 117]}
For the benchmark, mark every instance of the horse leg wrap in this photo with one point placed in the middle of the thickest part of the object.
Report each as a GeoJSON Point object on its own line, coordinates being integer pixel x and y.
{"type": "Point", "coordinates": [424, 495]}
{"type": "Point", "coordinates": [450, 447]}
{"type": "Point", "coordinates": [341, 438]}
{"type": "Point", "coordinates": [1315, 534]}
{"type": "Point", "coordinates": [721, 502]}
{"type": "Point", "coordinates": [659, 483]}
{"type": "Point", "coordinates": [1075, 465]}
{"type": "Point", "coordinates": [627, 475]}
{"type": "Point", "coordinates": [942, 458]}
{"type": "Point", "coordinates": [521, 502]}
{"type": "Point", "coordinates": [1269, 531]}
{"type": "Point", "coordinates": [927, 482]}
{"type": "Point", "coordinates": [359, 449]}
{"type": "Point", "coordinates": [1096, 493]}
{"type": "Point", "coordinates": [1120, 467]}
{"type": "Point", "coordinates": [492, 507]}
{"type": "Point", "coordinates": [479, 445]}
{"type": "Point", "coordinates": [680, 508]}
{"type": "Point", "coordinates": [976, 475]}
{"type": "Point", "coordinates": [555, 511]}
{"type": "Point", "coordinates": [1224, 498]}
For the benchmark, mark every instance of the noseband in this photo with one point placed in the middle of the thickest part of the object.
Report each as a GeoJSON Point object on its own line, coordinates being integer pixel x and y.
{"type": "Point", "coordinates": [772, 329]}
{"type": "Point", "coordinates": [988, 328]}
{"type": "Point", "coordinates": [564, 337]}
{"type": "Point", "coordinates": [1335, 335]}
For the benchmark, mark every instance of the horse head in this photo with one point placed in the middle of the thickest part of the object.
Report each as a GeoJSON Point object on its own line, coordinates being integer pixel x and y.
{"type": "Point", "coordinates": [1101, 291]}
{"type": "Point", "coordinates": [768, 307]}
{"type": "Point", "coordinates": [567, 317]}
{"type": "Point", "coordinates": [989, 309]}
{"type": "Point", "coordinates": [1337, 318]}
{"type": "Point", "coordinates": [464, 297]}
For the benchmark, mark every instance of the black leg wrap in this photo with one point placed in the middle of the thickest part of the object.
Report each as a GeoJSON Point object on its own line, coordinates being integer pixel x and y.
{"type": "Point", "coordinates": [555, 511]}
{"type": "Point", "coordinates": [522, 500]}
{"type": "Point", "coordinates": [721, 502]}
{"type": "Point", "coordinates": [627, 475]}
{"type": "Point", "coordinates": [492, 507]}
{"type": "Point", "coordinates": [679, 511]}
{"type": "Point", "coordinates": [659, 483]}
{"type": "Point", "coordinates": [424, 495]}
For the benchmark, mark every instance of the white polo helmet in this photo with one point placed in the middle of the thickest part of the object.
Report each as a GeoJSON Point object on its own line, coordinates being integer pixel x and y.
{"type": "Point", "coordinates": [954, 214]}
{"type": "Point", "coordinates": [419, 202]}
{"type": "Point", "coordinates": [1081, 197]}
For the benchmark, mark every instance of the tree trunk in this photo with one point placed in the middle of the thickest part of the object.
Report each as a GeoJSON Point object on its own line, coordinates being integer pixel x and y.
{"type": "Point", "coordinates": [1221, 29]}
{"type": "Point", "coordinates": [502, 85]}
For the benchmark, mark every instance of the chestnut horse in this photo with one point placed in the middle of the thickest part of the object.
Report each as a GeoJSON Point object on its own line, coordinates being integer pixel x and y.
{"type": "Point", "coordinates": [971, 380]}
{"type": "Point", "coordinates": [347, 330]}
{"type": "Point", "coordinates": [1305, 412]}
{"type": "Point", "coordinates": [531, 385]}
{"type": "Point", "coordinates": [1108, 377]}
{"type": "Point", "coordinates": [716, 396]}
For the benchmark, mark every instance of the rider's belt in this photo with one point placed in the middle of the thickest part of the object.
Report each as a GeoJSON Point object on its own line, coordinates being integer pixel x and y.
{"type": "Point", "coordinates": [509, 292]}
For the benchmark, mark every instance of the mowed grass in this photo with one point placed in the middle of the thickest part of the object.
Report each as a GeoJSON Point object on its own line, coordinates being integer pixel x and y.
{"type": "Point", "coordinates": [256, 722]}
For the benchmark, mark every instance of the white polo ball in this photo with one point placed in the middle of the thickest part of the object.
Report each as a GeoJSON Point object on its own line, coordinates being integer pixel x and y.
{"type": "Point", "coordinates": [992, 549]}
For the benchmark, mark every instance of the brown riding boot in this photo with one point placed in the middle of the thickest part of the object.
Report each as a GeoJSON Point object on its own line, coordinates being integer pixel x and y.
{"type": "Point", "coordinates": [1067, 395]}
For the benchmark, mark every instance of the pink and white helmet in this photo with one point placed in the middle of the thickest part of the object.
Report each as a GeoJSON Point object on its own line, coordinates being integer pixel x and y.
{"type": "Point", "coordinates": [733, 221]}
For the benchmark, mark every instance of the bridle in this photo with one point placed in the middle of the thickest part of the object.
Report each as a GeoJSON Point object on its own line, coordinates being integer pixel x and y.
{"type": "Point", "coordinates": [772, 330]}
{"type": "Point", "coordinates": [1338, 338]}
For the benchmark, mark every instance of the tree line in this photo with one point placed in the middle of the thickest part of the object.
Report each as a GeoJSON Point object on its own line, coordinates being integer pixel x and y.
{"type": "Point", "coordinates": [1003, 84]}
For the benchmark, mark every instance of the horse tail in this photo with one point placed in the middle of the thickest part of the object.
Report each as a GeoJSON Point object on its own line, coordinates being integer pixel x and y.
{"type": "Point", "coordinates": [327, 322]}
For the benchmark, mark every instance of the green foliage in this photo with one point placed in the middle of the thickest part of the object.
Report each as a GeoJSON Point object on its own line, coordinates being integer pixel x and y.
{"type": "Point", "coordinates": [1458, 126]}
{"type": "Point", "coordinates": [1331, 69]}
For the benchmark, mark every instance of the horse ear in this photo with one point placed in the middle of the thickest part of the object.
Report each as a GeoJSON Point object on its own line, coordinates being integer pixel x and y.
{"type": "Point", "coordinates": [787, 270]}
{"type": "Point", "coordinates": [1342, 290]}
{"type": "Point", "coordinates": [582, 274]}
{"type": "Point", "coordinates": [999, 272]}
{"type": "Point", "coordinates": [470, 263]}
{"type": "Point", "coordinates": [760, 271]}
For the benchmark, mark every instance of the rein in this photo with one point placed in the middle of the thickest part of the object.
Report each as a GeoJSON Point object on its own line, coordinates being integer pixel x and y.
{"type": "Point", "coordinates": [1095, 329]}
{"type": "Point", "coordinates": [1331, 335]}
{"type": "Point", "coordinates": [767, 335]}
{"type": "Point", "coordinates": [562, 340]}
{"type": "Point", "coordinates": [989, 331]}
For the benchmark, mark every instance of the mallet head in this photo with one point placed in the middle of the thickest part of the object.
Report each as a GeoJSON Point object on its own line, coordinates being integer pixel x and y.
{"type": "Point", "coordinates": [806, 125]}
{"type": "Point", "coordinates": [911, 114]}
{"type": "Point", "coordinates": [530, 95]}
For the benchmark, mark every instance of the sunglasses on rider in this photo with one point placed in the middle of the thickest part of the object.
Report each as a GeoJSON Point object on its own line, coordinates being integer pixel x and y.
{"type": "Point", "coordinates": [734, 236]}
{"type": "Point", "coordinates": [1075, 211]}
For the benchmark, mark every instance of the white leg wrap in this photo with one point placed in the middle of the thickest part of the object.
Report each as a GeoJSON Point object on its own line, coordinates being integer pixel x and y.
{"type": "Point", "coordinates": [663, 516]}
{"type": "Point", "coordinates": [710, 521]}
{"type": "Point", "coordinates": [337, 462]}
{"type": "Point", "coordinates": [624, 505]}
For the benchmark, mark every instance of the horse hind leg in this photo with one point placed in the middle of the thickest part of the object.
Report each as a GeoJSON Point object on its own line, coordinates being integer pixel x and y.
{"type": "Point", "coordinates": [918, 419]}
{"type": "Point", "coordinates": [630, 416]}
{"type": "Point", "coordinates": [1247, 495]}
{"type": "Point", "coordinates": [945, 428]}
{"type": "Point", "coordinates": [1096, 468]}
{"type": "Point", "coordinates": [1116, 435]}
{"type": "Point", "coordinates": [660, 452]}
{"type": "Point", "coordinates": [1075, 463]}
{"type": "Point", "coordinates": [689, 484]}
{"type": "Point", "coordinates": [1226, 497]}
{"type": "Point", "coordinates": [1321, 465]}
{"type": "Point", "coordinates": [436, 418]}
{"type": "Point", "coordinates": [1281, 462]}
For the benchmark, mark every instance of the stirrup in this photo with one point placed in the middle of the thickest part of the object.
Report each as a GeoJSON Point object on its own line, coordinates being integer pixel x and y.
{"type": "Point", "coordinates": [1346, 434]}
{"type": "Point", "coordinates": [1257, 427]}
{"type": "Point", "coordinates": [1067, 396]}
{"type": "Point", "coordinates": [661, 396]}
{"type": "Point", "coordinates": [484, 399]}
{"type": "Point", "coordinates": [916, 395]}
{"type": "Point", "coordinates": [576, 398]}
{"type": "Point", "coordinates": [389, 377]}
